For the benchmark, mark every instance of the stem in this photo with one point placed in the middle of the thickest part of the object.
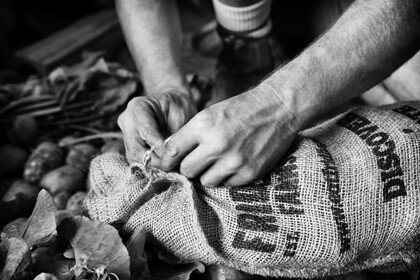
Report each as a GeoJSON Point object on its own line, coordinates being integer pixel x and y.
{"type": "Point", "coordinates": [104, 135]}
{"type": "Point", "coordinates": [24, 101]}
{"type": "Point", "coordinates": [85, 128]}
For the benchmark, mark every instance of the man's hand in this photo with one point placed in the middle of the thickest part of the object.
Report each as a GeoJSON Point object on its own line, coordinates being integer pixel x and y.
{"type": "Point", "coordinates": [234, 141]}
{"type": "Point", "coordinates": [148, 120]}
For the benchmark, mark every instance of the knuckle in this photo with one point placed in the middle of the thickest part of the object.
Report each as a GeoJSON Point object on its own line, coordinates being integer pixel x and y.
{"type": "Point", "coordinates": [249, 173]}
{"type": "Point", "coordinates": [121, 120]}
{"type": "Point", "coordinates": [235, 162]}
{"type": "Point", "coordinates": [220, 142]}
{"type": "Point", "coordinates": [132, 104]}
{"type": "Point", "coordinates": [136, 101]}
{"type": "Point", "coordinates": [204, 120]}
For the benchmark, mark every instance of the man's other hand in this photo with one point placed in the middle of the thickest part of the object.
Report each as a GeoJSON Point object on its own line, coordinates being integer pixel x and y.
{"type": "Point", "coordinates": [148, 120]}
{"type": "Point", "coordinates": [232, 142]}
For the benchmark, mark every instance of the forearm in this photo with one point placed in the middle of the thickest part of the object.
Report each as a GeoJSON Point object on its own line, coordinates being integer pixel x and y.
{"type": "Point", "coordinates": [363, 47]}
{"type": "Point", "coordinates": [153, 34]}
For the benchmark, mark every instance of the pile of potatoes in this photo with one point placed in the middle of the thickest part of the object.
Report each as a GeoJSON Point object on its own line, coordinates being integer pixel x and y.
{"type": "Point", "coordinates": [62, 171]}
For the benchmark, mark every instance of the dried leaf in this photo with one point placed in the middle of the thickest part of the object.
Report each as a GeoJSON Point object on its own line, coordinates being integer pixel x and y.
{"type": "Point", "coordinates": [12, 228]}
{"type": "Point", "coordinates": [42, 261]}
{"type": "Point", "coordinates": [138, 259]}
{"type": "Point", "coordinates": [110, 99]}
{"type": "Point", "coordinates": [62, 269]}
{"type": "Point", "coordinates": [60, 215]}
{"type": "Point", "coordinates": [18, 260]}
{"type": "Point", "coordinates": [20, 206]}
{"type": "Point", "coordinates": [177, 272]}
{"type": "Point", "coordinates": [40, 227]}
{"type": "Point", "coordinates": [96, 244]}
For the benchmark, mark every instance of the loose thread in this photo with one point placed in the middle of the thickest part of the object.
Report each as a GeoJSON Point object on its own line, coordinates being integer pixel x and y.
{"type": "Point", "coordinates": [147, 161]}
{"type": "Point", "coordinates": [147, 164]}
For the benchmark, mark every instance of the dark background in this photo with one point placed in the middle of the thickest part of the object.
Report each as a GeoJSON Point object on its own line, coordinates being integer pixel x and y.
{"type": "Point", "coordinates": [23, 22]}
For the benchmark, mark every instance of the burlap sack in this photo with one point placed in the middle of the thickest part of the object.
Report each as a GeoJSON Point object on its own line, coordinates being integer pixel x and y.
{"type": "Point", "coordinates": [346, 198]}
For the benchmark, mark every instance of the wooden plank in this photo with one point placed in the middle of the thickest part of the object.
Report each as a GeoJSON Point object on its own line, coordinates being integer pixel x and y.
{"type": "Point", "coordinates": [100, 31]}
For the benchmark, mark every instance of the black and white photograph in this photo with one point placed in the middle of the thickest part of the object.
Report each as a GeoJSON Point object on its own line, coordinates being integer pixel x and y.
{"type": "Point", "coordinates": [210, 140]}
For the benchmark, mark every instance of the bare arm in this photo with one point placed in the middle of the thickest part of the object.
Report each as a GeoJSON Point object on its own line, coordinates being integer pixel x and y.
{"type": "Point", "coordinates": [153, 34]}
{"type": "Point", "coordinates": [371, 40]}
{"type": "Point", "coordinates": [240, 139]}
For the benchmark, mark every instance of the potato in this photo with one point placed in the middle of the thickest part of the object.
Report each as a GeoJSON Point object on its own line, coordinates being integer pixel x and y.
{"type": "Point", "coordinates": [12, 160]}
{"type": "Point", "coordinates": [80, 156]}
{"type": "Point", "coordinates": [23, 131]}
{"type": "Point", "coordinates": [44, 158]}
{"type": "Point", "coordinates": [64, 178]}
{"type": "Point", "coordinates": [18, 201]}
{"type": "Point", "coordinates": [21, 188]}
{"type": "Point", "coordinates": [60, 199]}
{"type": "Point", "coordinates": [75, 202]}
{"type": "Point", "coordinates": [5, 185]}
{"type": "Point", "coordinates": [113, 146]}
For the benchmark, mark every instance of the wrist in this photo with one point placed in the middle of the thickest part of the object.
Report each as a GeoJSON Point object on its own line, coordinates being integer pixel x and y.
{"type": "Point", "coordinates": [301, 108]}
{"type": "Point", "coordinates": [156, 82]}
{"type": "Point", "coordinates": [299, 85]}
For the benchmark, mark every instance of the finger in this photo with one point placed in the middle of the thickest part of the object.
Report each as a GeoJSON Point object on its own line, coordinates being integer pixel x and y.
{"type": "Point", "coordinates": [134, 142]}
{"type": "Point", "coordinates": [135, 147]}
{"type": "Point", "coordinates": [216, 174]}
{"type": "Point", "coordinates": [242, 177]}
{"type": "Point", "coordinates": [196, 161]}
{"type": "Point", "coordinates": [149, 131]}
{"type": "Point", "coordinates": [178, 146]}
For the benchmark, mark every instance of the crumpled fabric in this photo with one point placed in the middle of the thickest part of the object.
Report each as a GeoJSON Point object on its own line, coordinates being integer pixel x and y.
{"type": "Point", "coordinates": [346, 198]}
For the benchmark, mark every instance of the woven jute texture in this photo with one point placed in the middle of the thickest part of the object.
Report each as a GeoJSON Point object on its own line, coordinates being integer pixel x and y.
{"type": "Point", "coordinates": [346, 198]}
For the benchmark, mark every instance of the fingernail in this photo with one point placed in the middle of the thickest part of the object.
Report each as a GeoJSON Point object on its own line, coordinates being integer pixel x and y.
{"type": "Point", "coordinates": [145, 133]}
{"type": "Point", "coordinates": [171, 149]}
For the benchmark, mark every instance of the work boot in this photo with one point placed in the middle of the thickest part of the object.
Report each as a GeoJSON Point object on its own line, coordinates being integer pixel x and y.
{"type": "Point", "coordinates": [243, 63]}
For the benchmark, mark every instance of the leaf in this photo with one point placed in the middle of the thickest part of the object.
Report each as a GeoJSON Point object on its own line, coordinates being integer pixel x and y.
{"type": "Point", "coordinates": [20, 205]}
{"type": "Point", "coordinates": [60, 215]}
{"type": "Point", "coordinates": [12, 228]}
{"type": "Point", "coordinates": [40, 258]}
{"type": "Point", "coordinates": [110, 99]}
{"type": "Point", "coordinates": [177, 272]}
{"type": "Point", "coordinates": [18, 258]}
{"type": "Point", "coordinates": [96, 244]}
{"type": "Point", "coordinates": [138, 259]}
{"type": "Point", "coordinates": [40, 227]}
{"type": "Point", "coordinates": [62, 269]}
